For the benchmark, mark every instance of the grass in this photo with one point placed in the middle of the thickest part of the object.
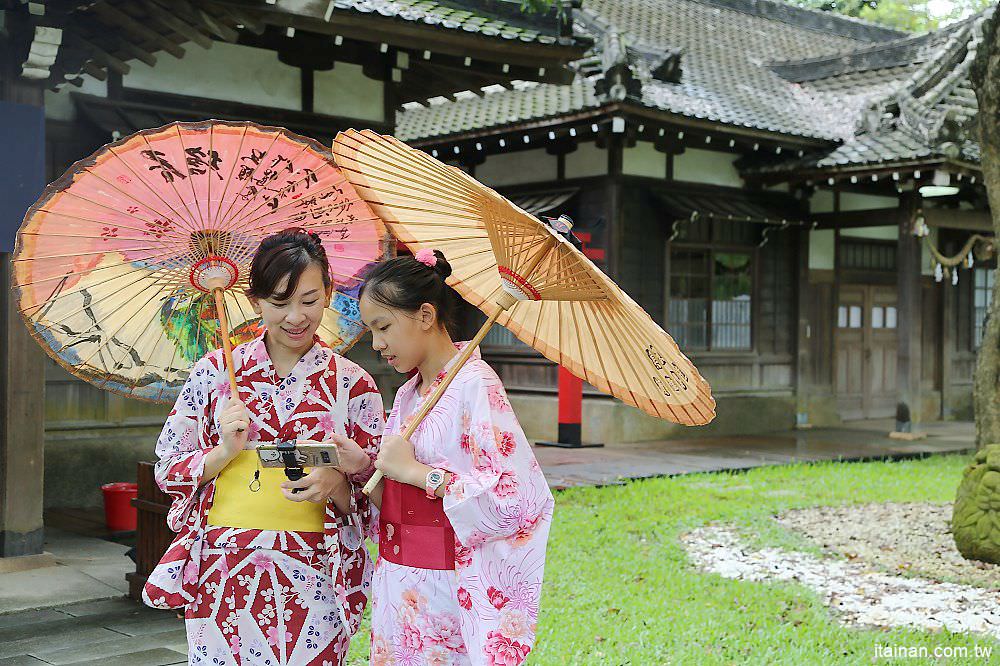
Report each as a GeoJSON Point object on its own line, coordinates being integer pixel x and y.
{"type": "Point", "coordinates": [619, 588]}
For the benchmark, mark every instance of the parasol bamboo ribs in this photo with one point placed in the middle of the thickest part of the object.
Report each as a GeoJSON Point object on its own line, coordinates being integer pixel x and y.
{"type": "Point", "coordinates": [504, 301]}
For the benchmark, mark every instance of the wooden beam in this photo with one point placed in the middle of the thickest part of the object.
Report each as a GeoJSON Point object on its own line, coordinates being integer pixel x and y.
{"type": "Point", "coordinates": [180, 27]}
{"type": "Point", "coordinates": [218, 26]}
{"type": "Point", "coordinates": [138, 53]}
{"type": "Point", "coordinates": [241, 17]}
{"type": "Point", "coordinates": [197, 17]}
{"type": "Point", "coordinates": [117, 17]}
{"type": "Point", "coordinates": [94, 71]}
{"type": "Point", "coordinates": [871, 217]}
{"type": "Point", "coordinates": [969, 220]}
{"type": "Point", "coordinates": [110, 61]}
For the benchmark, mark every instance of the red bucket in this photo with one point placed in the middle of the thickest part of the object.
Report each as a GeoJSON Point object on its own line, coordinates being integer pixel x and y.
{"type": "Point", "coordinates": [119, 514]}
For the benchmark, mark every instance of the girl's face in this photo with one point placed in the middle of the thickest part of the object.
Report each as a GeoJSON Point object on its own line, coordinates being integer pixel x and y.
{"type": "Point", "coordinates": [292, 323]}
{"type": "Point", "coordinates": [402, 338]}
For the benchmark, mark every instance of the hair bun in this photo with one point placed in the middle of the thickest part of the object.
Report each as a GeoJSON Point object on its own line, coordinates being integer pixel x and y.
{"type": "Point", "coordinates": [442, 267]}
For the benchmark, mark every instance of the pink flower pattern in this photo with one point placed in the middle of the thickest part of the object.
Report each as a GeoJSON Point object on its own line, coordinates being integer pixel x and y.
{"type": "Point", "coordinates": [503, 651]}
{"type": "Point", "coordinates": [500, 507]}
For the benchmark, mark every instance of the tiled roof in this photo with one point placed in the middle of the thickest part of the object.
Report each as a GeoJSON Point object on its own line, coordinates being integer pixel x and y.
{"type": "Point", "coordinates": [925, 110]}
{"type": "Point", "coordinates": [725, 46]}
{"type": "Point", "coordinates": [512, 24]}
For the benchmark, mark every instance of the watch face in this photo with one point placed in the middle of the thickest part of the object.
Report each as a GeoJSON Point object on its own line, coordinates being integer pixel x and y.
{"type": "Point", "coordinates": [435, 477]}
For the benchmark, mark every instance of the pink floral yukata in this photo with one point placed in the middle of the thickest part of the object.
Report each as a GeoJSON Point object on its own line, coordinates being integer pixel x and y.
{"type": "Point", "coordinates": [485, 610]}
{"type": "Point", "coordinates": [265, 597]}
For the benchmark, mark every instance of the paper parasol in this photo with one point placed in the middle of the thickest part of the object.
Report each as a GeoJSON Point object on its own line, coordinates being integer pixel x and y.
{"type": "Point", "coordinates": [116, 264]}
{"type": "Point", "coordinates": [525, 276]}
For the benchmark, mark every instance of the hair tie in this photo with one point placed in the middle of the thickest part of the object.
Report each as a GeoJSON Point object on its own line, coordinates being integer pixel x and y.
{"type": "Point", "coordinates": [426, 257]}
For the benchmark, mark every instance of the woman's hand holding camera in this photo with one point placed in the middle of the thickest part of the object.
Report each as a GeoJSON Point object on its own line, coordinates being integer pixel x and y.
{"type": "Point", "coordinates": [319, 485]}
{"type": "Point", "coordinates": [353, 458]}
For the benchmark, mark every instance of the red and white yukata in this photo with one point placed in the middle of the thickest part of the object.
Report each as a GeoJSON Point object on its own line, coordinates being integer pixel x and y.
{"type": "Point", "coordinates": [265, 597]}
{"type": "Point", "coordinates": [473, 600]}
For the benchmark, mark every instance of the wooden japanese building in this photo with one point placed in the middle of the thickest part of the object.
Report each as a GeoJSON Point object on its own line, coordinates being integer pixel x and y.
{"type": "Point", "coordinates": [776, 186]}
{"type": "Point", "coordinates": [76, 75]}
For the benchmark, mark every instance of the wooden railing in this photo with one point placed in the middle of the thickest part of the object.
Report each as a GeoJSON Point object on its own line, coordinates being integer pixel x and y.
{"type": "Point", "coordinates": [152, 535]}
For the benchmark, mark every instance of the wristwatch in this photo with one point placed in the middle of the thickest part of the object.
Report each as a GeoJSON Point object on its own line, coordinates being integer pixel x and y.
{"type": "Point", "coordinates": [435, 478]}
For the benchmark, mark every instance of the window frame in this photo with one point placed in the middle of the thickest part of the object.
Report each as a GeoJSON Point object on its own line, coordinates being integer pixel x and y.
{"type": "Point", "coordinates": [975, 340]}
{"type": "Point", "coordinates": [711, 249]}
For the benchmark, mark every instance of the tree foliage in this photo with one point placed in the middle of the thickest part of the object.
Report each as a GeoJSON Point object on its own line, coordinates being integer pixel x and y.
{"type": "Point", "coordinates": [909, 15]}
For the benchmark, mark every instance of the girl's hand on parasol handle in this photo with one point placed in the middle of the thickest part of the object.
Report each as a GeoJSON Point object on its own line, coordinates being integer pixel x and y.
{"type": "Point", "coordinates": [396, 459]}
{"type": "Point", "coordinates": [233, 423]}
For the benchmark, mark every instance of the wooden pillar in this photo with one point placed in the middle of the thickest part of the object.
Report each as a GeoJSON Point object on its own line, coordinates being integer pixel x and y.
{"type": "Point", "coordinates": [908, 255]}
{"type": "Point", "coordinates": [22, 362]}
{"type": "Point", "coordinates": [947, 342]}
{"type": "Point", "coordinates": [614, 206]}
{"type": "Point", "coordinates": [803, 377]}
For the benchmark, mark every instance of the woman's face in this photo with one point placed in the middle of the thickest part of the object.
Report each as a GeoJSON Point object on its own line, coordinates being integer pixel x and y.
{"type": "Point", "coordinates": [400, 337]}
{"type": "Point", "coordinates": [292, 323]}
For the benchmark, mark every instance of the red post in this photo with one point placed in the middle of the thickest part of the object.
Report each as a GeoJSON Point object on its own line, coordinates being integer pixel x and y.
{"type": "Point", "coordinates": [570, 407]}
{"type": "Point", "coordinates": [570, 412]}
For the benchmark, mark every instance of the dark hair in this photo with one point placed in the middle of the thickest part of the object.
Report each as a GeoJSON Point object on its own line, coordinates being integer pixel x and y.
{"type": "Point", "coordinates": [287, 252]}
{"type": "Point", "coordinates": [403, 283]}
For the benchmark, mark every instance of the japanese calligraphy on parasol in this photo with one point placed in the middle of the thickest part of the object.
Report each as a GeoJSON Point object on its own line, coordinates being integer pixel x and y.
{"type": "Point", "coordinates": [133, 264]}
{"type": "Point", "coordinates": [526, 276]}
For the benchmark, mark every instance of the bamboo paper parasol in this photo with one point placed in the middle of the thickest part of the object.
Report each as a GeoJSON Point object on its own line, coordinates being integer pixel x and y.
{"type": "Point", "coordinates": [132, 265]}
{"type": "Point", "coordinates": [526, 277]}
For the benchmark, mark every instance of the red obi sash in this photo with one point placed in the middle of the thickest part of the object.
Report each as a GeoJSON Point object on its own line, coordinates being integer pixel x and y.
{"type": "Point", "coordinates": [414, 530]}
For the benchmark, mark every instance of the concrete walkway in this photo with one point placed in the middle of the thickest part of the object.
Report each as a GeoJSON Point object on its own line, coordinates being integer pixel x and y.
{"type": "Point", "coordinates": [109, 630]}
{"type": "Point", "coordinates": [862, 440]}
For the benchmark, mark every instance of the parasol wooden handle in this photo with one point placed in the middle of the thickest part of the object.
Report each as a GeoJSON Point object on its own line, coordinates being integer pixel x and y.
{"type": "Point", "coordinates": [439, 391]}
{"type": "Point", "coordinates": [227, 347]}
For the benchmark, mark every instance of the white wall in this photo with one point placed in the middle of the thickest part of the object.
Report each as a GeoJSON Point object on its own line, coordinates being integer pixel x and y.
{"type": "Point", "coordinates": [821, 249]}
{"type": "Point", "coordinates": [875, 233]}
{"type": "Point", "coordinates": [225, 71]}
{"type": "Point", "coordinates": [643, 159]}
{"type": "Point", "coordinates": [346, 91]}
{"type": "Point", "coordinates": [587, 160]}
{"type": "Point", "coordinates": [707, 166]}
{"type": "Point", "coordinates": [821, 201]}
{"type": "Point", "coordinates": [854, 201]}
{"type": "Point", "coordinates": [59, 105]}
{"type": "Point", "coordinates": [515, 168]}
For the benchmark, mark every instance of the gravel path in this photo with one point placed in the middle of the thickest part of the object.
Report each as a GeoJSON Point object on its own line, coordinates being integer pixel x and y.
{"type": "Point", "coordinates": [913, 539]}
{"type": "Point", "coordinates": [859, 595]}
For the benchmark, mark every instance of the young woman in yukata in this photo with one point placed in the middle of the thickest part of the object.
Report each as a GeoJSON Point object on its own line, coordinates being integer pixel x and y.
{"type": "Point", "coordinates": [464, 508]}
{"type": "Point", "coordinates": [267, 576]}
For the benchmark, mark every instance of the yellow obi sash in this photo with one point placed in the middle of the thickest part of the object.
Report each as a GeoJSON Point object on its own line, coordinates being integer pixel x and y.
{"type": "Point", "coordinates": [235, 505]}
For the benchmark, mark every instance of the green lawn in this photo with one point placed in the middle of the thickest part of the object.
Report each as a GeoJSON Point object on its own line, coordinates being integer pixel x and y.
{"type": "Point", "coordinates": [620, 590]}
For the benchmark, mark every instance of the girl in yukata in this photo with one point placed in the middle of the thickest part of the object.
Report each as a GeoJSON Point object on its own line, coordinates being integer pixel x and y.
{"type": "Point", "coordinates": [464, 508]}
{"type": "Point", "coordinates": [265, 575]}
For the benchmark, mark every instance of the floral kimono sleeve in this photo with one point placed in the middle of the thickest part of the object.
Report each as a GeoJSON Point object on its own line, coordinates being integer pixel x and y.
{"type": "Point", "coordinates": [183, 443]}
{"type": "Point", "coordinates": [366, 422]}
{"type": "Point", "coordinates": [499, 492]}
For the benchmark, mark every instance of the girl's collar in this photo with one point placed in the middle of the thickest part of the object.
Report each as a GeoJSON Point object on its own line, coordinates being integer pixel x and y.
{"type": "Point", "coordinates": [414, 375]}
